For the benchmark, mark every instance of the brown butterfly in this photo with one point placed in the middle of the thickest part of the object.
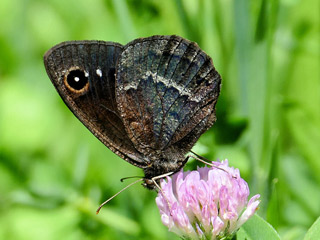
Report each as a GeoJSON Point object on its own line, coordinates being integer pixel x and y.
{"type": "Point", "coordinates": [148, 101]}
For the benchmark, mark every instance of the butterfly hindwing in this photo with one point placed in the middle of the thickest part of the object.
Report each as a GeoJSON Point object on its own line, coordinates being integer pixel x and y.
{"type": "Point", "coordinates": [166, 91]}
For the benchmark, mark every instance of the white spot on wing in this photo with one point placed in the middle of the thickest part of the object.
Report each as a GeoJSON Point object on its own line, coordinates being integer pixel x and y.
{"type": "Point", "coordinates": [86, 74]}
{"type": "Point", "coordinates": [99, 72]}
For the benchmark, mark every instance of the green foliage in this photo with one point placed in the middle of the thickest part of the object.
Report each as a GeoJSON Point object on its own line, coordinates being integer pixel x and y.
{"type": "Point", "coordinates": [54, 173]}
{"type": "Point", "coordinates": [314, 231]}
{"type": "Point", "coordinates": [257, 228]}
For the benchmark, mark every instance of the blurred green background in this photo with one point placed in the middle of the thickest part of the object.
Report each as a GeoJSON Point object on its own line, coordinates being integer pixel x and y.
{"type": "Point", "coordinates": [54, 173]}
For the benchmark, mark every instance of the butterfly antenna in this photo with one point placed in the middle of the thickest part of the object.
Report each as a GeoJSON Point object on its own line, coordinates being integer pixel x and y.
{"type": "Point", "coordinates": [125, 178]}
{"type": "Point", "coordinates": [108, 200]}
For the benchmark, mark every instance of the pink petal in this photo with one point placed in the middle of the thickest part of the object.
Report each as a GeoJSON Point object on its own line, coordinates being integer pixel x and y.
{"type": "Point", "coordinates": [250, 210]}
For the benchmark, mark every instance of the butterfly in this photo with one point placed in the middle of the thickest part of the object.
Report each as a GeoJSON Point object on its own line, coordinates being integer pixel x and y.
{"type": "Point", "coordinates": [148, 101]}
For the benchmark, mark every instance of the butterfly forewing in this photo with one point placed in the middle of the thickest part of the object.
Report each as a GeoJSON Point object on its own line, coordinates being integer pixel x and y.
{"type": "Point", "coordinates": [92, 101]}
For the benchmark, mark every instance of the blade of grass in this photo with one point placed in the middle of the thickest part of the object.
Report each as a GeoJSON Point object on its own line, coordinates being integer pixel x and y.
{"type": "Point", "coordinates": [127, 27]}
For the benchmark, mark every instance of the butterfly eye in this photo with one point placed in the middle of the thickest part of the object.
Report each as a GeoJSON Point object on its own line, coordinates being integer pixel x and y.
{"type": "Point", "coordinates": [77, 80]}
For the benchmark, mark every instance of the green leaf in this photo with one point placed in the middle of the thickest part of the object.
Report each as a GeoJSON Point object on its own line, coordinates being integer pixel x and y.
{"type": "Point", "coordinates": [314, 231]}
{"type": "Point", "coordinates": [257, 228]}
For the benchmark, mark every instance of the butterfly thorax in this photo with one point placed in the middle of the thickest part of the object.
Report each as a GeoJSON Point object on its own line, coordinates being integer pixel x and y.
{"type": "Point", "coordinates": [161, 167]}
